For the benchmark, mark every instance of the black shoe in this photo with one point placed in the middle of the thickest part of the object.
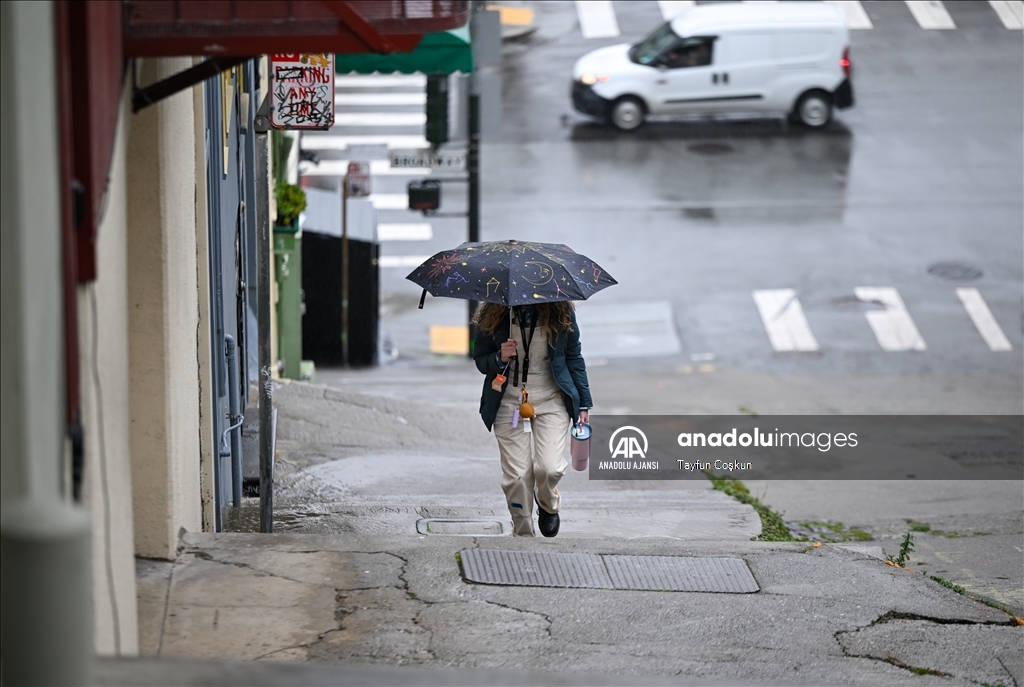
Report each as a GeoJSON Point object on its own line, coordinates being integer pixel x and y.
{"type": "Point", "coordinates": [547, 522]}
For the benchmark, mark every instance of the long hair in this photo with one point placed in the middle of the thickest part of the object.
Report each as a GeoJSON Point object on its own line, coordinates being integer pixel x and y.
{"type": "Point", "coordinates": [554, 318]}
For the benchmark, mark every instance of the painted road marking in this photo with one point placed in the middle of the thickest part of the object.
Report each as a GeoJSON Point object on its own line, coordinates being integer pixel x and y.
{"type": "Point", "coordinates": [784, 320]}
{"type": "Point", "coordinates": [387, 99]}
{"type": "Point", "coordinates": [380, 80]}
{"type": "Point", "coordinates": [310, 142]}
{"type": "Point", "coordinates": [339, 168]}
{"type": "Point", "coordinates": [930, 14]}
{"type": "Point", "coordinates": [390, 201]}
{"type": "Point", "coordinates": [407, 261]}
{"type": "Point", "coordinates": [671, 8]}
{"type": "Point", "coordinates": [416, 231]}
{"type": "Point", "coordinates": [446, 340]}
{"type": "Point", "coordinates": [380, 118]}
{"type": "Point", "coordinates": [893, 326]}
{"type": "Point", "coordinates": [856, 17]}
{"type": "Point", "coordinates": [983, 319]}
{"type": "Point", "coordinates": [597, 18]}
{"type": "Point", "coordinates": [1011, 12]}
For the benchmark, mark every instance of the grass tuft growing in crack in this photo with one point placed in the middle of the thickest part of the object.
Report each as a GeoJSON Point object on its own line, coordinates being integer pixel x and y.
{"type": "Point", "coordinates": [906, 547]}
{"type": "Point", "coordinates": [772, 526]}
{"type": "Point", "coordinates": [948, 585]}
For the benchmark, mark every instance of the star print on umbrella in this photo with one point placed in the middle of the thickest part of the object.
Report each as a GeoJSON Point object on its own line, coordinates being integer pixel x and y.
{"type": "Point", "coordinates": [493, 272]}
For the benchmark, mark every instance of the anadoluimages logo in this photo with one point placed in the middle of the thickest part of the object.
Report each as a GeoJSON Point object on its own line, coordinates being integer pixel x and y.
{"type": "Point", "coordinates": [628, 445]}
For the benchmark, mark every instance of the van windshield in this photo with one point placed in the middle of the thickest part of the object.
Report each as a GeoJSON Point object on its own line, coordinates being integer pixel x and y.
{"type": "Point", "coordinates": [649, 48]}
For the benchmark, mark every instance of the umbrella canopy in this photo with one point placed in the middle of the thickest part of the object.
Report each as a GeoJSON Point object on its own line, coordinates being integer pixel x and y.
{"type": "Point", "coordinates": [511, 273]}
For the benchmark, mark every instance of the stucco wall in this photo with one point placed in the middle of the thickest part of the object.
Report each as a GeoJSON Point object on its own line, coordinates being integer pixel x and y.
{"type": "Point", "coordinates": [163, 317]}
{"type": "Point", "coordinates": [103, 364]}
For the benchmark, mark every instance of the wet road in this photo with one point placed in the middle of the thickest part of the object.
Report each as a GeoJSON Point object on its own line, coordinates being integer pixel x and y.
{"type": "Point", "coordinates": [915, 191]}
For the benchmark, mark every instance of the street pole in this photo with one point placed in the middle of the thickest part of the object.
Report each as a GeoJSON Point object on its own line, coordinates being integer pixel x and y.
{"type": "Point", "coordinates": [344, 271]}
{"type": "Point", "coordinates": [473, 163]}
{"type": "Point", "coordinates": [261, 125]}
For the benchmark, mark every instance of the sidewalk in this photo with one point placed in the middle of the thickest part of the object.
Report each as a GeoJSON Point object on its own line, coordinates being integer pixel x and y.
{"type": "Point", "coordinates": [348, 591]}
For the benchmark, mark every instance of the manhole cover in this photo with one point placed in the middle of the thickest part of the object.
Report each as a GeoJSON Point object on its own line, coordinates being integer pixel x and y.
{"type": "Point", "coordinates": [638, 573]}
{"type": "Point", "coordinates": [710, 148]}
{"type": "Point", "coordinates": [461, 528]}
{"type": "Point", "coordinates": [954, 271]}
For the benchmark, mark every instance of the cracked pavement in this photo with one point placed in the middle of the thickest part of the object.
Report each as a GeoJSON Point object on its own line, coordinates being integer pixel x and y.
{"type": "Point", "coordinates": [347, 581]}
{"type": "Point", "coordinates": [824, 615]}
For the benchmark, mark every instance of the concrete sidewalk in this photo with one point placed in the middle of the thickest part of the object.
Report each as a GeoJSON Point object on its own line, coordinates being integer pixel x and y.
{"type": "Point", "coordinates": [823, 615]}
{"type": "Point", "coordinates": [348, 591]}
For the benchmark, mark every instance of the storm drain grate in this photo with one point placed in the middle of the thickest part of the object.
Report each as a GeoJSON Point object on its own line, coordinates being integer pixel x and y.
{"type": "Point", "coordinates": [578, 570]}
{"type": "Point", "coordinates": [678, 574]}
{"type": "Point", "coordinates": [528, 569]}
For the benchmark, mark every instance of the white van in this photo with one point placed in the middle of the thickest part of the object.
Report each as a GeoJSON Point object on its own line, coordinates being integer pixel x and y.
{"type": "Point", "coordinates": [785, 57]}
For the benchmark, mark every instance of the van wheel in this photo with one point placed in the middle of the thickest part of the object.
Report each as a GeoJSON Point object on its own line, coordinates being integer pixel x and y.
{"type": "Point", "coordinates": [813, 109]}
{"type": "Point", "coordinates": [626, 113]}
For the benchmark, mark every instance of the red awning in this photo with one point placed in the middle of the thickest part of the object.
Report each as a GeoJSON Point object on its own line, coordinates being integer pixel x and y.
{"type": "Point", "coordinates": [260, 27]}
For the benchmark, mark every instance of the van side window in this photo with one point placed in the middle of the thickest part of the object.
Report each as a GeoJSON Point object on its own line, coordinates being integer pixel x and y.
{"type": "Point", "coordinates": [689, 52]}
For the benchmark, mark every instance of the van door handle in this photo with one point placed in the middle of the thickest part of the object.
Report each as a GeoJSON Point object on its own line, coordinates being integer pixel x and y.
{"type": "Point", "coordinates": [714, 78]}
{"type": "Point", "coordinates": [725, 77]}
{"type": "Point", "coordinates": [661, 82]}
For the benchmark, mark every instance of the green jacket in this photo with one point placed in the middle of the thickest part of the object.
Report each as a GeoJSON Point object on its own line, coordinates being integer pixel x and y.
{"type": "Point", "coordinates": [567, 368]}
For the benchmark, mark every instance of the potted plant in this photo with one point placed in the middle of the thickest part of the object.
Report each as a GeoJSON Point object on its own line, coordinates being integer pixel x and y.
{"type": "Point", "coordinates": [291, 200]}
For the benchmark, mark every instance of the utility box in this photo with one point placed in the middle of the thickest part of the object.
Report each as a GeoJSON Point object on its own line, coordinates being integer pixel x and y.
{"type": "Point", "coordinates": [424, 195]}
{"type": "Point", "coordinates": [288, 269]}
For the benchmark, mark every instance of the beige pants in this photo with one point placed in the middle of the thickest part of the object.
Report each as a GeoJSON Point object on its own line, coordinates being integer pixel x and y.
{"type": "Point", "coordinates": [533, 462]}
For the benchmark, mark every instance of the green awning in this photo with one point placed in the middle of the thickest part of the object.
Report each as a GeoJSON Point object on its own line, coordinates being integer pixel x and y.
{"type": "Point", "coordinates": [446, 52]}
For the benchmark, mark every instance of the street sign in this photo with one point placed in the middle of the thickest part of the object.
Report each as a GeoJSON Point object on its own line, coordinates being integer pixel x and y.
{"type": "Point", "coordinates": [358, 177]}
{"type": "Point", "coordinates": [425, 157]}
{"type": "Point", "coordinates": [302, 91]}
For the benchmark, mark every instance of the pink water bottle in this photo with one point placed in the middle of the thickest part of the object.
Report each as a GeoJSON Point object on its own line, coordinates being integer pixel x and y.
{"type": "Point", "coordinates": [580, 446]}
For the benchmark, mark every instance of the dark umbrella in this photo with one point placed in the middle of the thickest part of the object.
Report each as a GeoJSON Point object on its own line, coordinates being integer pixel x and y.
{"type": "Point", "coordinates": [511, 273]}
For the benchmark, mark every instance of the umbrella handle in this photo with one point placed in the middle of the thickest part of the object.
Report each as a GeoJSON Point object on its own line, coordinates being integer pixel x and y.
{"type": "Point", "coordinates": [423, 297]}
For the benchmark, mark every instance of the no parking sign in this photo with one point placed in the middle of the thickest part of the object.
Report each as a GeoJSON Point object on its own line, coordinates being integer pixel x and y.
{"type": "Point", "coordinates": [302, 91]}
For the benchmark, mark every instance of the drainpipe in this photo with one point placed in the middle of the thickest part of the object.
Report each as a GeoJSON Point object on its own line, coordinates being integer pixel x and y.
{"type": "Point", "coordinates": [261, 125]}
{"type": "Point", "coordinates": [231, 352]}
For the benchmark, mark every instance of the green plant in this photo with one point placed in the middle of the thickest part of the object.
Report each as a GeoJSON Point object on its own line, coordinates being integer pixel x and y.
{"type": "Point", "coordinates": [905, 548]}
{"type": "Point", "coordinates": [949, 585]}
{"type": "Point", "coordinates": [919, 526]}
{"type": "Point", "coordinates": [772, 526]}
{"type": "Point", "coordinates": [291, 200]}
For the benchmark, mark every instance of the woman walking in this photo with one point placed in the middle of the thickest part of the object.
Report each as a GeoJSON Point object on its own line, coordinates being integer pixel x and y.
{"type": "Point", "coordinates": [535, 389]}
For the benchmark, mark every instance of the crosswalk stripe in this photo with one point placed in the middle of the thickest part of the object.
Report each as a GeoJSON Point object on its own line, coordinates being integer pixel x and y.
{"type": "Point", "coordinates": [983, 319]}
{"type": "Point", "coordinates": [388, 261]}
{"type": "Point", "coordinates": [390, 201]}
{"type": "Point", "coordinates": [380, 118]}
{"type": "Point", "coordinates": [1011, 12]}
{"type": "Point", "coordinates": [379, 80]}
{"type": "Point", "coordinates": [784, 320]}
{"type": "Point", "coordinates": [856, 17]}
{"type": "Point", "coordinates": [893, 326]}
{"type": "Point", "coordinates": [339, 168]}
{"type": "Point", "coordinates": [671, 8]}
{"type": "Point", "coordinates": [930, 14]}
{"type": "Point", "coordinates": [416, 231]}
{"type": "Point", "coordinates": [597, 18]}
{"type": "Point", "coordinates": [385, 99]}
{"type": "Point", "coordinates": [328, 142]}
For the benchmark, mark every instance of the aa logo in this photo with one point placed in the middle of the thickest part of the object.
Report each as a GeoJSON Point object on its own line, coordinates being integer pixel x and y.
{"type": "Point", "coordinates": [628, 445]}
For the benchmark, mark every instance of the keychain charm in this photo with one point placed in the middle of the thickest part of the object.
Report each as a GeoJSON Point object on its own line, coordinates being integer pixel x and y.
{"type": "Point", "coordinates": [499, 381]}
{"type": "Point", "coordinates": [526, 426]}
{"type": "Point", "coordinates": [515, 417]}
